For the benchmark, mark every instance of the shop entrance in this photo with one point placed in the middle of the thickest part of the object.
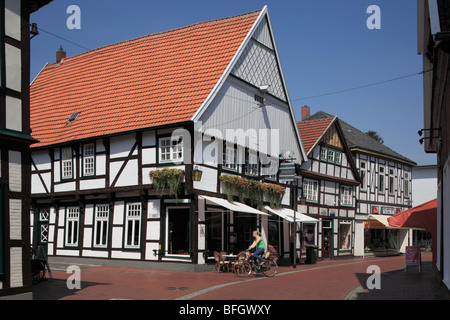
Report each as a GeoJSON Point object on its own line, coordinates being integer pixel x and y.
{"type": "Point", "coordinates": [244, 225]}
{"type": "Point", "coordinates": [327, 238]}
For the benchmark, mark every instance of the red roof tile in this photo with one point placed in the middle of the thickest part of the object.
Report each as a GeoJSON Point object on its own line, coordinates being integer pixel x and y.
{"type": "Point", "coordinates": [149, 81]}
{"type": "Point", "coordinates": [312, 130]}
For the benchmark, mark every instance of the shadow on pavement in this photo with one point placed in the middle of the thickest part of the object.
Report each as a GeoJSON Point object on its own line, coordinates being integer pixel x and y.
{"type": "Point", "coordinates": [56, 289]}
{"type": "Point", "coordinates": [404, 285]}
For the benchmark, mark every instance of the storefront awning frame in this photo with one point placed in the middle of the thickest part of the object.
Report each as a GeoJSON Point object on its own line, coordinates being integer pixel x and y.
{"type": "Point", "coordinates": [233, 206]}
{"type": "Point", "coordinates": [288, 214]}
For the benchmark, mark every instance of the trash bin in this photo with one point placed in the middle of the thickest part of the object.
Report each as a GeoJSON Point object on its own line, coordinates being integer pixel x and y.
{"type": "Point", "coordinates": [311, 254]}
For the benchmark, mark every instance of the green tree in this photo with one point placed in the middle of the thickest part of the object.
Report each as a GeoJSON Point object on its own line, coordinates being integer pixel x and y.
{"type": "Point", "coordinates": [375, 135]}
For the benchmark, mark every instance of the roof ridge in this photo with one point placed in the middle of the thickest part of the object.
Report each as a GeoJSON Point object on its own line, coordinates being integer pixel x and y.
{"type": "Point", "coordinates": [156, 34]}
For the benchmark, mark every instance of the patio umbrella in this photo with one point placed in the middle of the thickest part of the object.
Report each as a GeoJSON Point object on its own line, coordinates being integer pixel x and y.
{"type": "Point", "coordinates": [423, 216]}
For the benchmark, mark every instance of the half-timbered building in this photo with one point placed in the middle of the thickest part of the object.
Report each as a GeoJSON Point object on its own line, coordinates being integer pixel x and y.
{"type": "Point", "coordinates": [15, 140]}
{"type": "Point", "coordinates": [385, 189]}
{"type": "Point", "coordinates": [114, 122]}
{"type": "Point", "coordinates": [328, 182]}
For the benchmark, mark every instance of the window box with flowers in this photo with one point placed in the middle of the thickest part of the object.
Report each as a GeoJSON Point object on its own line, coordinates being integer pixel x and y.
{"type": "Point", "coordinates": [167, 179]}
{"type": "Point", "coordinates": [254, 190]}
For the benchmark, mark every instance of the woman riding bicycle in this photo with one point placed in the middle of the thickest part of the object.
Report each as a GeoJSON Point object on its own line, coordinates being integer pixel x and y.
{"type": "Point", "coordinates": [259, 245]}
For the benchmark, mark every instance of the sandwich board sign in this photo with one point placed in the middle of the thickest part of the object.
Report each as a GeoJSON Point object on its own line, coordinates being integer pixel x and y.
{"type": "Point", "coordinates": [413, 257]}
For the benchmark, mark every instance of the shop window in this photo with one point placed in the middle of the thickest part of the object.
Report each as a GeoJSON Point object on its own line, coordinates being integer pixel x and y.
{"type": "Point", "coordinates": [345, 235]}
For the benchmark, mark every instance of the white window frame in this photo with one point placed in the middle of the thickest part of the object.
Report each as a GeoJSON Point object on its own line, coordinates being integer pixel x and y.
{"type": "Point", "coordinates": [267, 167]}
{"type": "Point", "coordinates": [406, 186]}
{"type": "Point", "coordinates": [167, 226]}
{"type": "Point", "coordinates": [229, 157]}
{"type": "Point", "coordinates": [311, 190]}
{"type": "Point", "coordinates": [332, 154]}
{"type": "Point", "coordinates": [133, 225]}
{"type": "Point", "coordinates": [101, 226]}
{"type": "Point", "coordinates": [72, 226]}
{"type": "Point", "coordinates": [251, 164]}
{"type": "Point", "coordinates": [350, 234]}
{"type": "Point", "coordinates": [338, 157]}
{"type": "Point", "coordinates": [363, 174]}
{"type": "Point", "coordinates": [391, 185]}
{"type": "Point", "coordinates": [324, 154]}
{"type": "Point", "coordinates": [381, 179]}
{"type": "Point", "coordinates": [170, 150]}
{"type": "Point", "coordinates": [66, 163]}
{"type": "Point", "coordinates": [346, 197]}
{"type": "Point", "coordinates": [89, 160]}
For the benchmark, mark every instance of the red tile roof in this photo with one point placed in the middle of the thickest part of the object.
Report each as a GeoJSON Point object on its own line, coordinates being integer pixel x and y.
{"type": "Point", "coordinates": [149, 81]}
{"type": "Point", "coordinates": [311, 131]}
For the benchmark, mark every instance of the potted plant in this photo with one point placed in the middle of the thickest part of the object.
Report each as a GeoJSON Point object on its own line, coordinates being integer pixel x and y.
{"type": "Point", "coordinates": [167, 178]}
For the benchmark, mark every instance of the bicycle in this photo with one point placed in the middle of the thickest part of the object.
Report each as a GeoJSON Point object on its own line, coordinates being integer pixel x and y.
{"type": "Point", "coordinates": [38, 268]}
{"type": "Point", "coordinates": [244, 267]}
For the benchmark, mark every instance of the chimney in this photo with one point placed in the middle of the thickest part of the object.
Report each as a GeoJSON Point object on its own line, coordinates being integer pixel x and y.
{"type": "Point", "coordinates": [60, 54]}
{"type": "Point", "coordinates": [305, 112]}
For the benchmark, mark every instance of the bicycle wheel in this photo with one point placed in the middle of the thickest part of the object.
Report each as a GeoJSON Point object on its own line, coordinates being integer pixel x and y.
{"type": "Point", "coordinates": [37, 276]}
{"type": "Point", "coordinates": [269, 268]}
{"type": "Point", "coordinates": [242, 268]}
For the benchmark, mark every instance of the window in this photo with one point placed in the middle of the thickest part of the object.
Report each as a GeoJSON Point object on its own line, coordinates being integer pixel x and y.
{"type": "Point", "coordinates": [338, 157]}
{"type": "Point", "coordinates": [72, 226]}
{"type": "Point", "coordinates": [66, 163]}
{"type": "Point", "coordinates": [88, 160]}
{"type": "Point", "coordinates": [229, 157]}
{"type": "Point", "coordinates": [406, 185]}
{"type": "Point", "coordinates": [2, 46]}
{"type": "Point", "coordinates": [345, 235]}
{"type": "Point", "coordinates": [363, 174]}
{"type": "Point", "coordinates": [43, 225]}
{"type": "Point", "coordinates": [170, 150]}
{"type": "Point", "coordinates": [391, 181]}
{"type": "Point", "coordinates": [311, 190]}
{"type": "Point", "coordinates": [133, 225]}
{"type": "Point", "coordinates": [324, 154]}
{"type": "Point", "coordinates": [251, 163]}
{"type": "Point", "coordinates": [101, 226]}
{"type": "Point", "coordinates": [331, 154]}
{"type": "Point", "coordinates": [381, 179]}
{"type": "Point", "coordinates": [346, 196]}
{"type": "Point", "coordinates": [269, 167]}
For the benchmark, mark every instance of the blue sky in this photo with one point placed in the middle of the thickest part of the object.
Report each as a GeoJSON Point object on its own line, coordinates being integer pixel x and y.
{"type": "Point", "coordinates": [324, 46]}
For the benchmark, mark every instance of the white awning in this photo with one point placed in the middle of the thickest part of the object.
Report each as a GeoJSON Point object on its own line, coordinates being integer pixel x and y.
{"type": "Point", "coordinates": [382, 219]}
{"type": "Point", "coordinates": [233, 206]}
{"type": "Point", "coordinates": [288, 214]}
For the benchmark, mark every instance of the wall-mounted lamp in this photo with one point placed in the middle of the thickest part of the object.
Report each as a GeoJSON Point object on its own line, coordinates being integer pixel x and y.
{"type": "Point", "coordinates": [197, 174]}
{"type": "Point", "coordinates": [34, 30]}
{"type": "Point", "coordinates": [302, 200]}
{"type": "Point", "coordinates": [420, 133]}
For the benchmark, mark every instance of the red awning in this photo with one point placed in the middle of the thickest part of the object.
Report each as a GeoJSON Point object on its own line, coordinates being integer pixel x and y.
{"type": "Point", "coordinates": [423, 216]}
